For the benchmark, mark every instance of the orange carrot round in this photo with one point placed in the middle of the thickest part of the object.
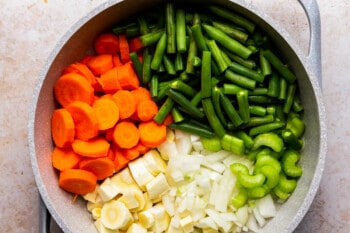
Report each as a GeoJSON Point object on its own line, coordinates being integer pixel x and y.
{"type": "Point", "coordinates": [77, 181]}
{"type": "Point", "coordinates": [127, 77]}
{"type": "Point", "coordinates": [141, 94]}
{"type": "Point", "coordinates": [62, 128]}
{"type": "Point", "coordinates": [109, 81]}
{"type": "Point", "coordinates": [100, 64]}
{"type": "Point", "coordinates": [120, 161]}
{"type": "Point", "coordinates": [132, 153]}
{"type": "Point", "coordinates": [151, 133]}
{"type": "Point", "coordinates": [93, 148]}
{"type": "Point", "coordinates": [102, 167]}
{"type": "Point", "coordinates": [64, 158]}
{"type": "Point", "coordinates": [107, 113]}
{"type": "Point", "coordinates": [126, 135]}
{"type": "Point", "coordinates": [73, 87]}
{"type": "Point", "coordinates": [106, 43]}
{"type": "Point", "coordinates": [168, 119]}
{"type": "Point", "coordinates": [81, 69]}
{"type": "Point", "coordinates": [116, 60]}
{"type": "Point", "coordinates": [146, 110]}
{"type": "Point", "coordinates": [125, 102]}
{"type": "Point", "coordinates": [124, 48]}
{"type": "Point", "coordinates": [85, 120]}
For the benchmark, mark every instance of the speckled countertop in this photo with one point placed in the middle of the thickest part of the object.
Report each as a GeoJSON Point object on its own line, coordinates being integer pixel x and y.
{"type": "Point", "coordinates": [29, 29]}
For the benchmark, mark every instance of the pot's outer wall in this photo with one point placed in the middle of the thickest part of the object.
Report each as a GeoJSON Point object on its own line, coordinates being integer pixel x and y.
{"type": "Point", "coordinates": [74, 217]}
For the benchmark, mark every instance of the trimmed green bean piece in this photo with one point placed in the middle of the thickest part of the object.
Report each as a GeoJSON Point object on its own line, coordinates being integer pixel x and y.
{"type": "Point", "coordinates": [257, 110]}
{"type": "Point", "coordinates": [185, 104]}
{"type": "Point", "coordinates": [233, 144]}
{"type": "Point", "coordinates": [271, 140]}
{"type": "Point", "coordinates": [243, 105]}
{"type": "Point", "coordinates": [151, 38]}
{"type": "Point", "coordinates": [279, 66]}
{"type": "Point", "coordinates": [260, 99]}
{"type": "Point", "coordinates": [213, 120]}
{"type": "Point", "coordinates": [196, 99]}
{"type": "Point", "coordinates": [136, 64]}
{"type": "Point", "coordinates": [264, 64]}
{"type": "Point", "coordinates": [249, 63]}
{"type": "Point", "coordinates": [170, 27]}
{"type": "Point", "coordinates": [142, 22]}
{"type": "Point", "coordinates": [230, 110]}
{"type": "Point", "coordinates": [256, 121]}
{"type": "Point", "coordinates": [240, 69]}
{"type": "Point", "coordinates": [183, 88]}
{"type": "Point", "coordinates": [169, 65]}
{"type": "Point", "coordinates": [121, 28]}
{"type": "Point", "coordinates": [258, 91]}
{"type": "Point", "coordinates": [154, 86]}
{"type": "Point", "coordinates": [206, 74]}
{"type": "Point", "coordinates": [132, 31]}
{"type": "Point", "coordinates": [233, 17]}
{"type": "Point", "coordinates": [266, 128]}
{"type": "Point", "coordinates": [180, 29]}
{"type": "Point", "coordinates": [240, 80]}
{"type": "Point", "coordinates": [290, 97]}
{"type": "Point", "coordinates": [297, 105]}
{"type": "Point", "coordinates": [227, 42]}
{"type": "Point", "coordinates": [146, 66]}
{"type": "Point", "coordinates": [196, 62]}
{"type": "Point", "coordinates": [231, 89]}
{"type": "Point", "coordinates": [199, 38]}
{"type": "Point", "coordinates": [164, 110]}
{"type": "Point", "coordinates": [192, 128]}
{"type": "Point", "coordinates": [217, 55]}
{"type": "Point", "coordinates": [271, 110]}
{"type": "Point", "coordinates": [177, 115]}
{"type": "Point", "coordinates": [179, 63]}
{"type": "Point", "coordinates": [217, 105]}
{"type": "Point", "coordinates": [274, 86]}
{"type": "Point", "coordinates": [192, 53]}
{"type": "Point", "coordinates": [283, 89]}
{"type": "Point", "coordinates": [289, 164]}
{"type": "Point", "coordinates": [231, 31]}
{"type": "Point", "coordinates": [159, 52]}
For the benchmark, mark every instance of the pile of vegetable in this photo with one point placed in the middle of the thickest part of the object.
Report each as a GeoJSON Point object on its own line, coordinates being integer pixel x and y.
{"type": "Point", "coordinates": [181, 120]}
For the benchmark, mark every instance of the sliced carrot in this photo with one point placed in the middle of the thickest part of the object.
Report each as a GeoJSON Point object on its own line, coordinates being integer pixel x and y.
{"type": "Point", "coordinates": [108, 134]}
{"type": "Point", "coordinates": [102, 167]}
{"type": "Point", "coordinates": [131, 153]}
{"type": "Point", "coordinates": [106, 43]}
{"type": "Point", "coordinates": [146, 110]}
{"type": "Point", "coordinates": [151, 133]}
{"type": "Point", "coordinates": [93, 148]}
{"type": "Point", "coordinates": [168, 119]}
{"type": "Point", "coordinates": [62, 128]}
{"type": "Point", "coordinates": [135, 44]}
{"type": "Point", "coordinates": [127, 77]}
{"type": "Point", "coordinates": [83, 70]}
{"type": "Point", "coordinates": [124, 48]}
{"type": "Point", "coordinates": [64, 158]}
{"type": "Point", "coordinates": [77, 181]}
{"type": "Point", "coordinates": [126, 135]}
{"type": "Point", "coordinates": [109, 81]}
{"type": "Point", "coordinates": [142, 148]}
{"type": "Point", "coordinates": [73, 87]}
{"type": "Point", "coordinates": [86, 59]}
{"type": "Point", "coordinates": [125, 102]}
{"type": "Point", "coordinates": [116, 60]}
{"type": "Point", "coordinates": [85, 120]}
{"type": "Point", "coordinates": [111, 154]}
{"type": "Point", "coordinates": [100, 64]}
{"type": "Point", "coordinates": [107, 113]}
{"type": "Point", "coordinates": [141, 94]}
{"type": "Point", "coordinates": [120, 161]}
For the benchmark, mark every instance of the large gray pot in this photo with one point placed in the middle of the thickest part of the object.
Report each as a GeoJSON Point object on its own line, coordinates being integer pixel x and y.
{"type": "Point", "coordinates": [74, 217]}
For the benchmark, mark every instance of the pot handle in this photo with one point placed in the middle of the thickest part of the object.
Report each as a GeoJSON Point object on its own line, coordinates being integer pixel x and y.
{"type": "Point", "coordinates": [313, 15]}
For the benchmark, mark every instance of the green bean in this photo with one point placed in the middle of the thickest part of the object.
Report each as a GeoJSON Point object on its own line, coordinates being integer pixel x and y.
{"type": "Point", "coordinates": [227, 42]}
{"type": "Point", "coordinates": [297, 105]}
{"type": "Point", "coordinates": [164, 110]}
{"type": "Point", "coordinates": [255, 121]}
{"type": "Point", "coordinates": [146, 66]}
{"type": "Point", "coordinates": [132, 31]}
{"type": "Point", "coordinates": [271, 110]}
{"type": "Point", "coordinates": [249, 63]}
{"type": "Point", "coordinates": [159, 52]}
{"type": "Point", "coordinates": [196, 62]}
{"type": "Point", "coordinates": [266, 128]}
{"type": "Point", "coordinates": [240, 69]}
{"type": "Point", "coordinates": [270, 140]}
{"type": "Point", "coordinates": [192, 128]}
{"type": "Point", "coordinates": [206, 75]}
{"type": "Point", "coordinates": [180, 30]}
{"type": "Point", "coordinates": [258, 91]}
{"type": "Point", "coordinates": [142, 25]}
{"type": "Point", "coordinates": [217, 55]}
{"type": "Point", "coordinates": [279, 66]}
{"type": "Point", "coordinates": [274, 86]}
{"type": "Point", "coordinates": [231, 31]}
{"type": "Point", "coordinates": [170, 27]}
{"type": "Point", "coordinates": [217, 105]}
{"type": "Point", "coordinates": [183, 88]}
{"type": "Point", "coordinates": [257, 110]}
{"type": "Point", "coordinates": [233, 144]}
{"type": "Point", "coordinates": [185, 104]}
{"type": "Point", "coordinates": [197, 98]}
{"type": "Point", "coordinates": [240, 80]}
{"type": "Point", "coordinates": [192, 52]}
{"type": "Point", "coordinates": [177, 115]}
{"type": "Point", "coordinates": [289, 164]}
{"type": "Point", "coordinates": [243, 105]}
{"type": "Point", "coordinates": [179, 63]}
{"type": "Point", "coordinates": [199, 38]}
{"type": "Point", "coordinates": [230, 110]}
{"type": "Point", "coordinates": [213, 120]}
{"type": "Point", "coordinates": [264, 64]}
{"type": "Point", "coordinates": [151, 38]}
{"type": "Point", "coordinates": [259, 99]}
{"type": "Point", "coordinates": [154, 86]}
{"type": "Point", "coordinates": [290, 97]}
{"type": "Point", "coordinates": [121, 28]}
{"type": "Point", "coordinates": [283, 89]}
{"type": "Point", "coordinates": [233, 17]}
{"type": "Point", "coordinates": [136, 64]}
{"type": "Point", "coordinates": [231, 89]}
{"type": "Point", "coordinates": [291, 140]}
{"type": "Point", "coordinates": [169, 65]}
